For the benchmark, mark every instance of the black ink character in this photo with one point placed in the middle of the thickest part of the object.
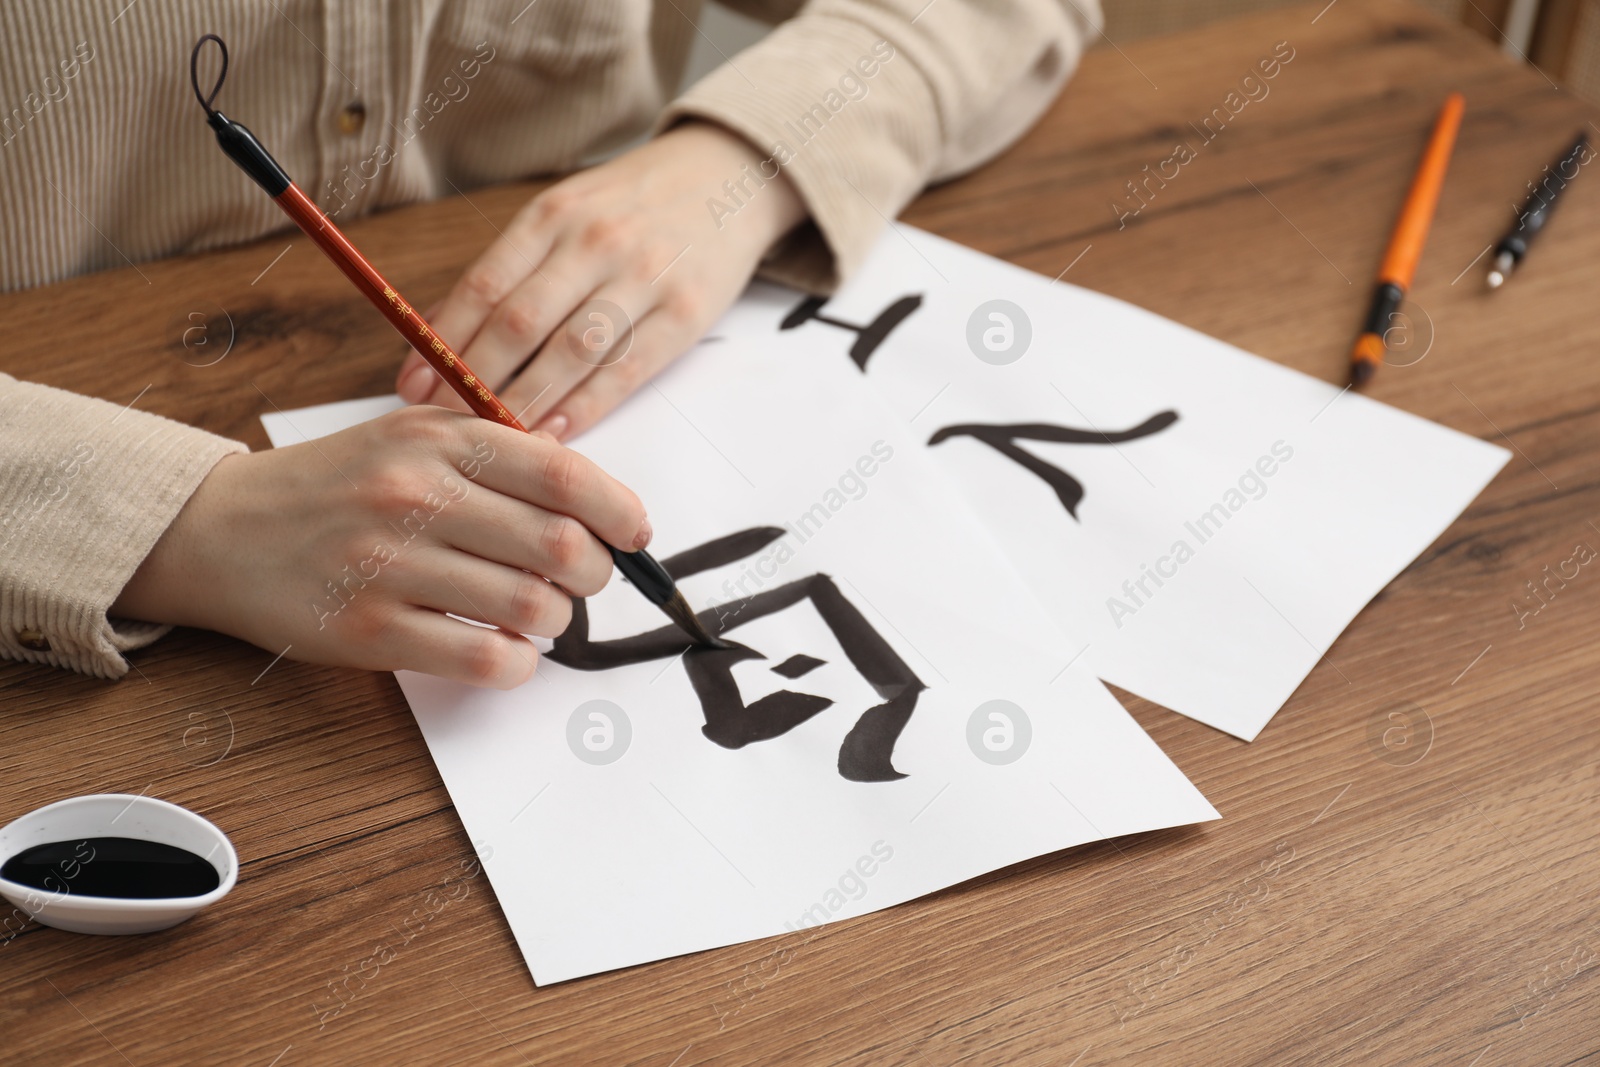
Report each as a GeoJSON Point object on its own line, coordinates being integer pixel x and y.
{"type": "Point", "coordinates": [1068, 489]}
{"type": "Point", "coordinates": [865, 755]}
{"type": "Point", "coordinates": [868, 337]}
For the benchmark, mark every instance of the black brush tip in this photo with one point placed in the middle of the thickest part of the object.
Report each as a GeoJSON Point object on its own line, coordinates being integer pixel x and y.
{"type": "Point", "coordinates": [678, 608]}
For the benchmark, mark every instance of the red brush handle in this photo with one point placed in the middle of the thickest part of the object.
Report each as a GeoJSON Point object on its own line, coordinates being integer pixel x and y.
{"type": "Point", "coordinates": [412, 326]}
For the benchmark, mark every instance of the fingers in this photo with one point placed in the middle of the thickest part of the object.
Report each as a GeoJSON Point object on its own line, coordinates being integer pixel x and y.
{"type": "Point", "coordinates": [656, 342]}
{"type": "Point", "coordinates": [417, 639]}
{"type": "Point", "coordinates": [596, 338]}
{"type": "Point", "coordinates": [501, 596]}
{"type": "Point", "coordinates": [421, 455]}
{"type": "Point", "coordinates": [513, 300]}
{"type": "Point", "coordinates": [551, 316]}
{"type": "Point", "coordinates": [534, 469]}
{"type": "Point", "coordinates": [565, 317]}
{"type": "Point", "coordinates": [511, 261]}
{"type": "Point", "coordinates": [528, 321]}
{"type": "Point", "coordinates": [510, 532]}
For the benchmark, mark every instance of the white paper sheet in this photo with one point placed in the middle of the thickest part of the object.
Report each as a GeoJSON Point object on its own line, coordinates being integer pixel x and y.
{"type": "Point", "coordinates": [1213, 554]}
{"type": "Point", "coordinates": [1317, 497]}
{"type": "Point", "coordinates": [682, 844]}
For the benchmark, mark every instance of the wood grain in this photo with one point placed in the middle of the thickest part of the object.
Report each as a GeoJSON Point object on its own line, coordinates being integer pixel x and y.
{"type": "Point", "coordinates": [1432, 903]}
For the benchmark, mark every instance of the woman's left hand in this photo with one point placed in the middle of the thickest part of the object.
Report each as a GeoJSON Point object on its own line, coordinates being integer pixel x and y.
{"type": "Point", "coordinates": [607, 276]}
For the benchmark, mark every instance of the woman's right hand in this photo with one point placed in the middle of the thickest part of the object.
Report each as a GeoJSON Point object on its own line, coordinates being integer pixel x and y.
{"type": "Point", "coordinates": [350, 549]}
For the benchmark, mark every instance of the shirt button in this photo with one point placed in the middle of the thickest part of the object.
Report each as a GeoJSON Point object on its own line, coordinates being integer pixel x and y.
{"type": "Point", "coordinates": [33, 640]}
{"type": "Point", "coordinates": [351, 118]}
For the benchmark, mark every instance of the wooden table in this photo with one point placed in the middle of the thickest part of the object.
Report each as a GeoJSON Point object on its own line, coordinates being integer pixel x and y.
{"type": "Point", "coordinates": [1381, 890]}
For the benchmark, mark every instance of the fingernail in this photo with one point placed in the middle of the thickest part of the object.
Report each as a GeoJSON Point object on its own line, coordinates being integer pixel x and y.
{"type": "Point", "coordinates": [555, 426]}
{"type": "Point", "coordinates": [641, 540]}
{"type": "Point", "coordinates": [416, 384]}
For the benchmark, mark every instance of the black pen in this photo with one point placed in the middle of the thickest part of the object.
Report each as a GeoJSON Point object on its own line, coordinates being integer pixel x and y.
{"type": "Point", "coordinates": [1536, 211]}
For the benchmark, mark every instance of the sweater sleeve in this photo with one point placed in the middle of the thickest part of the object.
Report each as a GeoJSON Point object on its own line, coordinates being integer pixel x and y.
{"type": "Point", "coordinates": [862, 103]}
{"type": "Point", "coordinates": [86, 490]}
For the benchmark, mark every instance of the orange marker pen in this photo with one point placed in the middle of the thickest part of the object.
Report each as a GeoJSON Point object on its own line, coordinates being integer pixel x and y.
{"type": "Point", "coordinates": [1405, 243]}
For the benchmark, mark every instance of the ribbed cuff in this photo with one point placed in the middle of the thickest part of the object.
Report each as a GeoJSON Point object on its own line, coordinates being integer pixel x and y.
{"type": "Point", "coordinates": [87, 489]}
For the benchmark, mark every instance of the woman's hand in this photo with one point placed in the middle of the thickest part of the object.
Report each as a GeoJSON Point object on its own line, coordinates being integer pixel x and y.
{"type": "Point", "coordinates": [350, 549]}
{"type": "Point", "coordinates": [607, 276]}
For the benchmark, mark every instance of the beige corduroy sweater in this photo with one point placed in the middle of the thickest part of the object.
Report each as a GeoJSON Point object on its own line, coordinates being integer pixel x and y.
{"type": "Point", "coordinates": [104, 162]}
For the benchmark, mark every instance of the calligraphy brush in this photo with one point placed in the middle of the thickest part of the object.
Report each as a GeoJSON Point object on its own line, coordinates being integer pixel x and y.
{"type": "Point", "coordinates": [241, 146]}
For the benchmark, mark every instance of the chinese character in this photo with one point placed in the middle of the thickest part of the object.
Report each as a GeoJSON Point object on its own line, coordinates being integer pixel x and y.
{"type": "Point", "coordinates": [868, 337]}
{"type": "Point", "coordinates": [1003, 439]}
{"type": "Point", "coordinates": [731, 721]}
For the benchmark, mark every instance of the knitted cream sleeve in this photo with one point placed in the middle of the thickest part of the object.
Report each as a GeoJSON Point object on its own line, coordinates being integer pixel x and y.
{"type": "Point", "coordinates": [86, 490]}
{"type": "Point", "coordinates": [862, 103]}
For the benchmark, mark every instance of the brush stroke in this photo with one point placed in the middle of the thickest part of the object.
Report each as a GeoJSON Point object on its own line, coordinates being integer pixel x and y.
{"type": "Point", "coordinates": [866, 754]}
{"type": "Point", "coordinates": [868, 337]}
{"type": "Point", "coordinates": [1002, 438]}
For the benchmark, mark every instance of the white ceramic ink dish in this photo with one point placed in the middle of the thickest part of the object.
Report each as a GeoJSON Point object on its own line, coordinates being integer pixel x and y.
{"type": "Point", "coordinates": [115, 815]}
